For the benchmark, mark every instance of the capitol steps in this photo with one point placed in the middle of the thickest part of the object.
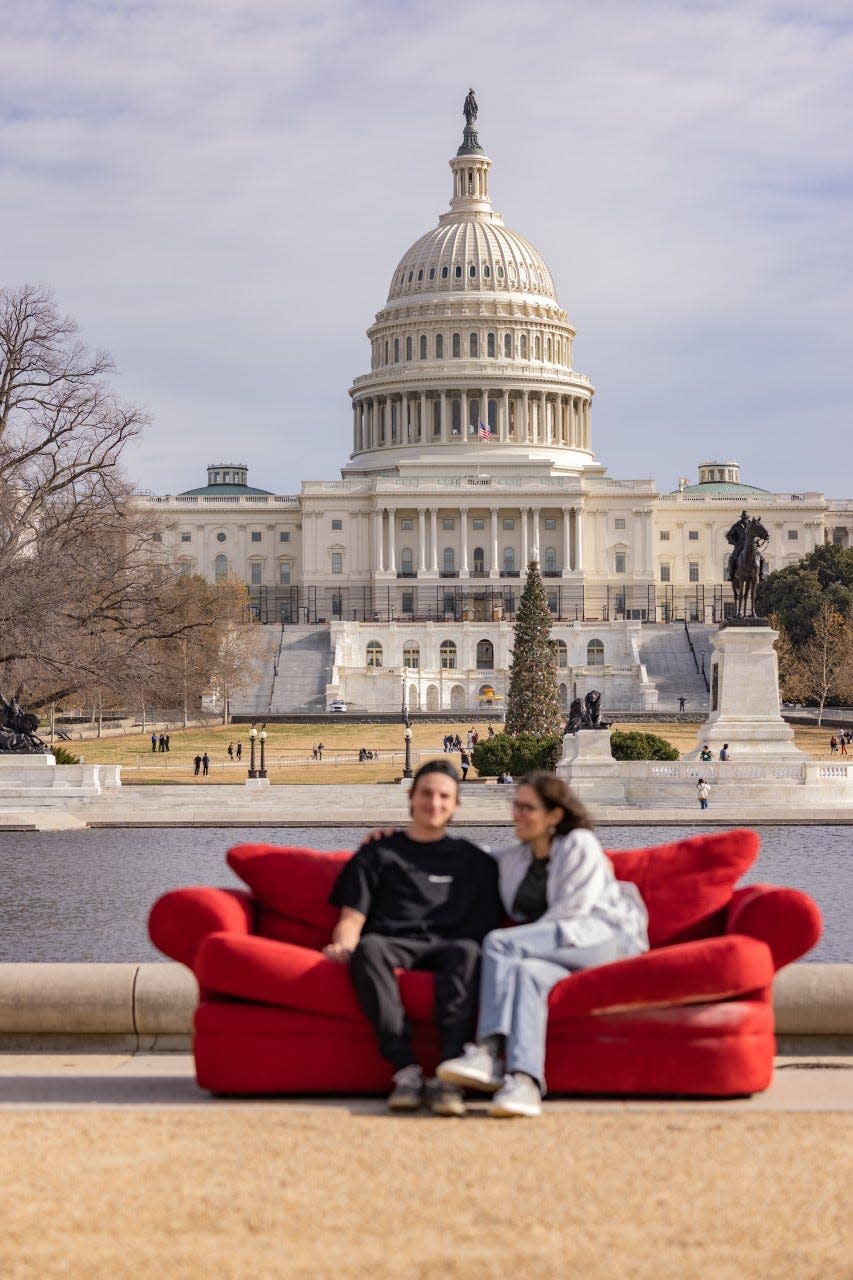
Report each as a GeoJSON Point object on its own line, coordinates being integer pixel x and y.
{"type": "Point", "coordinates": [303, 669]}
{"type": "Point", "coordinates": [669, 664]}
{"type": "Point", "coordinates": [255, 699]}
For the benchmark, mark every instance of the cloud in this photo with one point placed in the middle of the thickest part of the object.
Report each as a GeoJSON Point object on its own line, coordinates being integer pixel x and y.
{"type": "Point", "coordinates": [219, 193]}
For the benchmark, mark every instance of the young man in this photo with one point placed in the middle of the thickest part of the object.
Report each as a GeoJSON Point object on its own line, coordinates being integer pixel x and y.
{"type": "Point", "coordinates": [418, 899]}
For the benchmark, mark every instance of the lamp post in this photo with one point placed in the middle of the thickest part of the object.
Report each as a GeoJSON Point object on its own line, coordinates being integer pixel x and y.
{"type": "Point", "coordinates": [253, 734]}
{"type": "Point", "coordinates": [263, 738]}
{"type": "Point", "coordinates": [407, 736]}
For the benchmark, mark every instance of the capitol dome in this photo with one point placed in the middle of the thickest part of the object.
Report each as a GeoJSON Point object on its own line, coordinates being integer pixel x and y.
{"type": "Point", "coordinates": [471, 345]}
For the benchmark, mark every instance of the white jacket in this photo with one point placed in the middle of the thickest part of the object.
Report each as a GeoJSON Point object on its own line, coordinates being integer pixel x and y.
{"type": "Point", "coordinates": [583, 894]}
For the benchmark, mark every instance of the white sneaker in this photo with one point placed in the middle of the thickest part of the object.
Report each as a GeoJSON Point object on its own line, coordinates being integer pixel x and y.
{"type": "Point", "coordinates": [520, 1096]}
{"type": "Point", "coordinates": [478, 1068]}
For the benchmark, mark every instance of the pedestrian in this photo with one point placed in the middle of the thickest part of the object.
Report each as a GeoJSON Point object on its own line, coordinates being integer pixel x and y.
{"type": "Point", "coordinates": [705, 753]}
{"type": "Point", "coordinates": [239, 750]}
{"type": "Point", "coordinates": [205, 764]}
{"type": "Point", "coordinates": [491, 731]}
{"type": "Point", "coordinates": [833, 745]}
{"type": "Point", "coordinates": [196, 766]}
{"type": "Point", "coordinates": [162, 742]}
{"type": "Point", "coordinates": [230, 750]}
{"type": "Point", "coordinates": [314, 751]}
{"type": "Point", "coordinates": [464, 764]}
{"type": "Point", "coordinates": [320, 750]}
{"type": "Point", "coordinates": [681, 703]}
{"type": "Point", "coordinates": [843, 745]}
{"type": "Point", "coordinates": [475, 738]}
{"type": "Point", "coordinates": [724, 751]}
{"type": "Point", "coordinates": [154, 742]}
{"type": "Point", "coordinates": [703, 791]}
{"type": "Point", "coordinates": [166, 740]}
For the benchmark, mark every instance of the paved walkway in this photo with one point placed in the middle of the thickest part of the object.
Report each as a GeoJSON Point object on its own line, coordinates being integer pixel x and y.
{"type": "Point", "coordinates": [120, 1167]}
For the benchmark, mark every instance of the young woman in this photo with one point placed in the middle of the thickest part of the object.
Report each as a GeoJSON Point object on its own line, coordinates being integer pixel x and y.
{"type": "Point", "coordinates": [575, 914]}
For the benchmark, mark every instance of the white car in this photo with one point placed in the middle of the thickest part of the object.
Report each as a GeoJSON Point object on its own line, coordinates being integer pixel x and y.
{"type": "Point", "coordinates": [337, 705]}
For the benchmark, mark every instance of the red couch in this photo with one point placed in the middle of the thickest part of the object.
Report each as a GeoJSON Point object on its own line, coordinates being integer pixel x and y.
{"type": "Point", "coordinates": [692, 1017]}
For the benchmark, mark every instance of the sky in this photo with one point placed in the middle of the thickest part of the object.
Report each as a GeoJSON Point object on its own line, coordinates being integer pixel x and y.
{"type": "Point", "coordinates": [218, 192]}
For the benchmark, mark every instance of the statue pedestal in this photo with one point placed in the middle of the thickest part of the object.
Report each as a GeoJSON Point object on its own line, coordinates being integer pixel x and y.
{"type": "Point", "coordinates": [744, 703]}
{"type": "Point", "coordinates": [587, 765]}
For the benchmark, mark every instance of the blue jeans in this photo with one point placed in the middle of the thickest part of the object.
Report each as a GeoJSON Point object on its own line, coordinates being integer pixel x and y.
{"type": "Point", "coordinates": [519, 968]}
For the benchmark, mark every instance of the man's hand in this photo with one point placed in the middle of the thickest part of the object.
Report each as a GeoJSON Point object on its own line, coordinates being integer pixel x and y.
{"type": "Point", "coordinates": [338, 951]}
{"type": "Point", "coordinates": [345, 936]}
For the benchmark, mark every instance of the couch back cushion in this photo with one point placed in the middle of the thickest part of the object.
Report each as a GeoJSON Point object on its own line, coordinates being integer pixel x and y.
{"type": "Point", "coordinates": [291, 885]}
{"type": "Point", "coordinates": [688, 884]}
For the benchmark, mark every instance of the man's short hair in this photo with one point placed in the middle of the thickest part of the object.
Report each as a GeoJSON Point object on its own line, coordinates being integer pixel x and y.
{"type": "Point", "coordinates": [443, 767]}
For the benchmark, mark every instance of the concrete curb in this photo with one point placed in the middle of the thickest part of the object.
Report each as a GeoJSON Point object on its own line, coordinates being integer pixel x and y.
{"type": "Point", "coordinates": [150, 1006]}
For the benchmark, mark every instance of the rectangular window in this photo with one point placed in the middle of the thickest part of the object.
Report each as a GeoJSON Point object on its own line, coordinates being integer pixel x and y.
{"type": "Point", "coordinates": [552, 601]}
{"type": "Point", "coordinates": [664, 573]}
{"type": "Point", "coordinates": [337, 524]}
{"type": "Point", "coordinates": [509, 523]}
{"type": "Point", "coordinates": [619, 522]}
{"type": "Point", "coordinates": [664, 535]}
{"type": "Point", "coordinates": [550, 522]}
{"type": "Point", "coordinates": [447, 522]}
{"type": "Point", "coordinates": [337, 562]}
{"type": "Point", "coordinates": [284, 575]}
{"type": "Point", "coordinates": [693, 535]}
{"type": "Point", "coordinates": [186, 537]}
{"type": "Point", "coordinates": [256, 537]}
{"type": "Point", "coordinates": [619, 562]}
{"type": "Point", "coordinates": [406, 522]}
{"type": "Point", "coordinates": [257, 574]}
{"type": "Point", "coordinates": [793, 535]}
{"type": "Point", "coordinates": [284, 537]}
{"type": "Point", "coordinates": [478, 523]}
{"type": "Point", "coordinates": [693, 571]}
{"type": "Point", "coordinates": [407, 603]}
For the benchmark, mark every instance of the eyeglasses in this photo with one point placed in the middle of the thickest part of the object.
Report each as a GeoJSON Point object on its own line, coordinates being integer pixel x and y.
{"type": "Point", "coordinates": [520, 807]}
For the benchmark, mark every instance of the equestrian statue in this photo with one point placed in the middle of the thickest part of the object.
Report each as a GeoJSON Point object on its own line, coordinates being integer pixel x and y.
{"type": "Point", "coordinates": [18, 728]}
{"type": "Point", "coordinates": [748, 537]}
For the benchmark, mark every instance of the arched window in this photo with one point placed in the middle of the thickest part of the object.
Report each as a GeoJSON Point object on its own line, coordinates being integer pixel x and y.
{"type": "Point", "coordinates": [456, 417]}
{"type": "Point", "coordinates": [457, 345]}
{"type": "Point", "coordinates": [485, 655]}
{"type": "Point", "coordinates": [220, 568]}
{"type": "Point", "coordinates": [509, 560]}
{"type": "Point", "coordinates": [507, 345]}
{"type": "Point", "coordinates": [408, 348]}
{"type": "Point", "coordinates": [549, 563]}
{"type": "Point", "coordinates": [448, 562]}
{"type": "Point", "coordinates": [396, 350]}
{"type": "Point", "coordinates": [473, 414]}
{"type": "Point", "coordinates": [479, 560]}
{"type": "Point", "coordinates": [523, 346]}
{"type": "Point", "coordinates": [447, 655]}
{"type": "Point", "coordinates": [550, 350]}
{"type": "Point", "coordinates": [595, 654]}
{"type": "Point", "coordinates": [406, 560]}
{"type": "Point", "coordinates": [536, 347]}
{"type": "Point", "coordinates": [423, 346]}
{"type": "Point", "coordinates": [493, 416]}
{"type": "Point", "coordinates": [439, 346]}
{"type": "Point", "coordinates": [374, 653]}
{"type": "Point", "coordinates": [411, 654]}
{"type": "Point", "coordinates": [490, 345]}
{"type": "Point", "coordinates": [386, 350]}
{"type": "Point", "coordinates": [473, 345]}
{"type": "Point", "coordinates": [561, 653]}
{"type": "Point", "coordinates": [436, 418]}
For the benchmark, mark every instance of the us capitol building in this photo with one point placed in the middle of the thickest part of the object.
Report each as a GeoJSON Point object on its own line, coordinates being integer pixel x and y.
{"type": "Point", "coordinates": [472, 453]}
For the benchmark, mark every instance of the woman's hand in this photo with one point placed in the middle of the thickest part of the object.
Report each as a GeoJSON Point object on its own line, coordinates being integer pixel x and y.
{"type": "Point", "coordinates": [378, 833]}
{"type": "Point", "coordinates": [337, 951]}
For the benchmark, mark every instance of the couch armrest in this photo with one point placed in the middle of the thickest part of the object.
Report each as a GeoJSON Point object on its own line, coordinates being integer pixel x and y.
{"type": "Point", "coordinates": [182, 918]}
{"type": "Point", "coordinates": [788, 920]}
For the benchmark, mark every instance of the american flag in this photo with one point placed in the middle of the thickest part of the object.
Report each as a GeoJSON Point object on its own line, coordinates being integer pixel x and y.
{"type": "Point", "coordinates": [483, 432]}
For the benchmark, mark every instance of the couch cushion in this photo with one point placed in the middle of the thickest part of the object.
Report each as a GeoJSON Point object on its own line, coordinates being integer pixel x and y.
{"type": "Point", "coordinates": [685, 885]}
{"type": "Point", "coordinates": [292, 882]}
{"type": "Point", "coordinates": [687, 973]}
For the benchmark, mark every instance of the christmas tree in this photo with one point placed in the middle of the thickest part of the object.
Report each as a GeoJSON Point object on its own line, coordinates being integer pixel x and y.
{"type": "Point", "coordinates": [533, 700]}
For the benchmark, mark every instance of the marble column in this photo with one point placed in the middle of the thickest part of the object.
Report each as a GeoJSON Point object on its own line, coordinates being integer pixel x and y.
{"type": "Point", "coordinates": [578, 565]}
{"type": "Point", "coordinates": [423, 429]}
{"type": "Point", "coordinates": [463, 537]}
{"type": "Point", "coordinates": [504, 431]}
{"type": "Point", "coordinates": [525, 417]}
{"type": "Point", "coordinates": [378, 557]}
{"type": "Point", "coordinates": [434, 546]}
{"type": "Point", "coordinates": [443, 403]}
{"type": "Point", "coordinates": [543, 421]}
{"type": "Point", "coordinates": [525, 551]}
{"type": "Point", "coordinates": [392, 540]}
{"type": "Point", "coordinates": [494, 570]}
{"type": "Point", "coordinates": [421, 541]}
{"type": "Point", "coordinates": [567, 551]}
{"type": "Point", "coordinates": [537, 511]}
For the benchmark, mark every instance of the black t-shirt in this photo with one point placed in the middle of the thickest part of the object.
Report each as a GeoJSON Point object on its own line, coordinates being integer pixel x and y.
{"type": "Point", "coordinates": [531, 898]}
{"type": "Point", "coordinates": [408, 888]}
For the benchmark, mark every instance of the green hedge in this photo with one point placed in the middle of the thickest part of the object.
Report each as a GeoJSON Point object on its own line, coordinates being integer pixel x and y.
{"type": "Point", "coordinates": [640, 746]}
{"type": "Point", "coordinates": [518, 754]}
{"type": "Point", "coordinates": [63, 756]}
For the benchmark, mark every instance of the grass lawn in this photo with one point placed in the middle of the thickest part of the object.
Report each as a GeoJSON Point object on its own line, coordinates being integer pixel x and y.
{"type": "Point", "coordinates": [289, 750]}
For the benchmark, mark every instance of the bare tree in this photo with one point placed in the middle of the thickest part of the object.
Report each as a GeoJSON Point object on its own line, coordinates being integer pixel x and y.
{"type": "Point", "coordinates": [823, 666]}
